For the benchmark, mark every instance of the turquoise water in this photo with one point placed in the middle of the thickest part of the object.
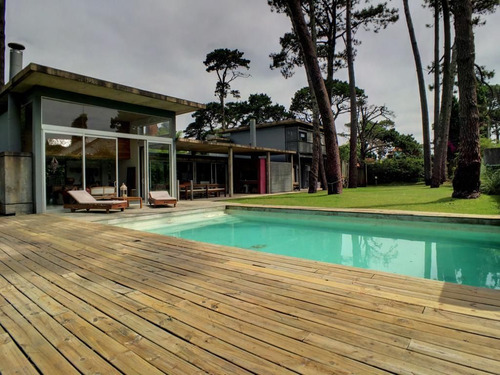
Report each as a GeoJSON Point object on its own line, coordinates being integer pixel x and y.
{"type": "Point", "coordinates": [458, 253]}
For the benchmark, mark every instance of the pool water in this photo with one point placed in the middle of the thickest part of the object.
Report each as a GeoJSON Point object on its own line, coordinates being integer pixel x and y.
{"type": "Point", "coordinates": [458, 253]}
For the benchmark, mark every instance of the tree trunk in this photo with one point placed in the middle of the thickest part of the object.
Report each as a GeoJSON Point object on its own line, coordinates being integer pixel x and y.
{"type": "Point", "coordinates": [446, 114]}
{"type": "Point", "coordinates": [332, 37]}
{"type": "Point", "coordinates": [353, 140]}
{"type": "Point", "coordinates": [333, 171]}
{"type": "Point", "coordinates": [223, 112]}
{"type": "Point", "coordinates": [423, 97]}
{"type": "Point", "coordinates": [322, 172]}
{"type": "Point", "coordinates": [2, 43]}
{"type": "Point", "coordinates": [316, 151]}
{"type": "Point", "coordinates": [466, 181]}
{"type": "Point", "coordinates": [443, 125]}
{"type": "Point", "coordinates": [436, 166]}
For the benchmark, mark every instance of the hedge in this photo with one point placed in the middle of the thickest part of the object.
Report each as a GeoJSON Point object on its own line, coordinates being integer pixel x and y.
{"type": "Point", "coordinates": [396, 170]}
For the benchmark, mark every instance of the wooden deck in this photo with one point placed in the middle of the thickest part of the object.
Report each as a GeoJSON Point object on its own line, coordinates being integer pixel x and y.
{"type": "Point", "coordinates": [79, 297]}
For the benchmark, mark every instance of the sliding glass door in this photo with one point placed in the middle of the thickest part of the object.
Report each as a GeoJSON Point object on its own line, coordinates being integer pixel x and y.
{"type": "Point", "coordinates": [63, 166]}
{"type": "Point", "coordinates": [159, 166]}
{"type": "Point", "coordinates": [74, 162]}
{"type": "Point", "coordinates": [100, 162]}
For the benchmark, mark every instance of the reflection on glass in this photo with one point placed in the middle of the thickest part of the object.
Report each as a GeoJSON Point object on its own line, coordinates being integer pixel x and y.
{"type": "Point", "coordinates": [203, 173]}
{"type": "Point", "coordinates": [100, 162]}
{"type": "Point", "coordinates": [83, 116]}
{"type": "Point", "coordinates": [162, 129]}
{"type": "Point", "coordinates": [63, 166]}
{"type": "Point", "coordinates": [159, 166]}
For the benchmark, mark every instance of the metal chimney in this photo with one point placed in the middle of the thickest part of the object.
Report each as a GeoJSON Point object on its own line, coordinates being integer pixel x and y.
{"type": "Point", "coordinates": [253, 132]}
{"type": "Point", "coordinates": [16, 59]}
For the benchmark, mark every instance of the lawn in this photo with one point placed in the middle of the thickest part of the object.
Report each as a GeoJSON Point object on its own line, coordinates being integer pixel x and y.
{"type": "Point", "coordinates": [415, 197]}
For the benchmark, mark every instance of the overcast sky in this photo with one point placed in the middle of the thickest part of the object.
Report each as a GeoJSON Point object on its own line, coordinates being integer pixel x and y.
{"type": "Point", "coordinates": [160, 45]}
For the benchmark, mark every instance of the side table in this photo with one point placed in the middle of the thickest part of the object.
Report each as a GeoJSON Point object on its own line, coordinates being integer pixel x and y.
{"type": "Point", "coordinates": [133, 199]}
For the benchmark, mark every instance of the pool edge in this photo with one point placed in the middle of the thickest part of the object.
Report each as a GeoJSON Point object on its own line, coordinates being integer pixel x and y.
{"type": "Point", "coordinates": [387, 214]}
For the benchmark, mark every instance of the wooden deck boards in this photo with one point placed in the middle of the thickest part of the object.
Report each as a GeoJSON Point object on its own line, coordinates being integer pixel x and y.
{"type": "Point", "coordinates": [88, 298]}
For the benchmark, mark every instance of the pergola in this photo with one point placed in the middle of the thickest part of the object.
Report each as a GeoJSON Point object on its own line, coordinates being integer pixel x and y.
{"type": "Point", "coordinates": [230, 149]}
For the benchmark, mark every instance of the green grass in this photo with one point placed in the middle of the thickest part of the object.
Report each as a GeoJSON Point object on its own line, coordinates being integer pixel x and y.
{"type": "Point", "coordinates": [416, 197]}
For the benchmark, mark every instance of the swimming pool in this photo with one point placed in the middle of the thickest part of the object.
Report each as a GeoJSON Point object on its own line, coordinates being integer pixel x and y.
{"type": "Point", "coordinates": [458, 253]}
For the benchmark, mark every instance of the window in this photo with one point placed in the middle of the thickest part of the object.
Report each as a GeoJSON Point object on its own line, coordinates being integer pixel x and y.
{"type": "Point", "coordinates": [159, 167]}
{"type": "Point", "coordinates": [83, 116]}
{"type": "Point", "coordinates": [302, 136]}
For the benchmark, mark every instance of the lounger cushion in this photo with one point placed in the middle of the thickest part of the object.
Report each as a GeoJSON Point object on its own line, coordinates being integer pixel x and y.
{"type": "Point", "coordinates": [161, 198]}
{"type": "Point", "coordinates": [160, 195]}
{"type": "Point", "coordinates": [81, 196]}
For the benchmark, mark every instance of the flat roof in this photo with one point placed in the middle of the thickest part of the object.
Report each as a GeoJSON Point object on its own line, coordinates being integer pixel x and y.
{"type": "Point", "coordinates": [215, 147]}
{"type": "Point", "coordinates": [39, 75]}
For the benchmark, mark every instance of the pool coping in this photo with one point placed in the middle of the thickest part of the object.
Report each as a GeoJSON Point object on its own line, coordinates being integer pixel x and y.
{"type": "Point", "coordinates": [493, 220]}
{"type": "Point", "coordinates": [436, 217]}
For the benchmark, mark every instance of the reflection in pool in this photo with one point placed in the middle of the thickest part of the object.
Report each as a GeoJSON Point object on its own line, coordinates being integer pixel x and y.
{"type": "Point", "coordinates": [458, 253]}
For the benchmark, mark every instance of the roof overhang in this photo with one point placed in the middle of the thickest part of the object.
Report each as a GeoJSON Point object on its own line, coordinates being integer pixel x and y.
{"type": "Point", "coordinates": [37, 75]}
{"type": "Point", "coordinates": [223, 148]}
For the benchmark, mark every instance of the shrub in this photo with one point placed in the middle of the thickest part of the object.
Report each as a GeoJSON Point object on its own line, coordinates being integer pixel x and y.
{"type": "Point", "coordinates": [396, 170]}
{"type": "Point", "coordinates": [485, 143]}
{"type": "Point", "coordinates": [490, 181]}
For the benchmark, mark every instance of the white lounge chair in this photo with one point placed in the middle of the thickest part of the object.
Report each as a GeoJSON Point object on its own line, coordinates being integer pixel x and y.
{"type": "Point", "coordinates": [85, 201]}
{"type": "Point", "coordinates": [161, 198]}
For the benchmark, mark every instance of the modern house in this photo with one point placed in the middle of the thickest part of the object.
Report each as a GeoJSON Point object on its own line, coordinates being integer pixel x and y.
{"type": "Point", "coordinates": [63, 131]}
{"type": "Point", "coordinates": [291, 135]}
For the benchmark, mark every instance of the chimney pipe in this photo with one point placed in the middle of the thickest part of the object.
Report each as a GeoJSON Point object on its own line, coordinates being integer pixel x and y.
{"type": "Point", "coordinates": [253, 132]}
{"type": "Point", "coordinates": [16, 59]}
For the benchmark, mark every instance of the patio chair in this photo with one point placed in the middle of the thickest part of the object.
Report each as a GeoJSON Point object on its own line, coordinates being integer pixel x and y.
{"type": "Point", "coordinates": [85, 201]}
{"type": "Point", "coordinates": [161, 198]}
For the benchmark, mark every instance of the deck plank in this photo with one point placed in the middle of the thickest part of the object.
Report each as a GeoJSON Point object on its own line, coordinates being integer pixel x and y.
{"type": "Point", "coordinates": [13, 359]}
{"type": "Point", "coordinates": [138, 302]}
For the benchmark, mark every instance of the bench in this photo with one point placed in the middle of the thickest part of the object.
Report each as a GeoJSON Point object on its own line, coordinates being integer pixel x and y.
{"type": "Point", "coordinates": [189, 190]}
{"type": "Point", "coordinates": [103, 192]}
{"type": "Point", "coordinates": [216, 189]}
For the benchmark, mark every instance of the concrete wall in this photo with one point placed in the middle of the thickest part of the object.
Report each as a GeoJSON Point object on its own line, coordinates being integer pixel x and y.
{"type": "Point", "coordinates": [492, 156]}
{"type": "Point", "coordinates": [16, 189]}
{"type": "Point", "coordinates": [10, 126]}
{"type": "Point", "coordinates": [281, 177]}
{"type": "Point", "coordinates": [4, 124]}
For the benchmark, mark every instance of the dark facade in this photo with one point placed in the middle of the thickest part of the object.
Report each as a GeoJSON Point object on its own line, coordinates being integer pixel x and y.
{"type": "Point", "coordinates": [242, 168]}
{"type": "Point", "coordinates": [289, 135]}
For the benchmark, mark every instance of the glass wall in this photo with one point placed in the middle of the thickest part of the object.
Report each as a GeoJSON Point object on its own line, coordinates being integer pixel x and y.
{"type": "Point", "coordinates": [76, 162]}
{"type": "Point", "coordinates": [88, 146]}
{"type": "Point", "coordinates": [83, 116]}
{"type": "Point", "coordinates": [100, 162]}
{"type": "Point", "coordinates": [63, 166]}
{"type": "Point", "coordinates": [159, 166]}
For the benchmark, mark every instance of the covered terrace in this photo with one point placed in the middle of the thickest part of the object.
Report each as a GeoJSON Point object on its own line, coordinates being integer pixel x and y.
{"type": "Point", "coordinates": [231, 150]}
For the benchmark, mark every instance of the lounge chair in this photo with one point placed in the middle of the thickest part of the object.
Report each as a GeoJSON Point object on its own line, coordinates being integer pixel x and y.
{"type": "Point", "coordinates": [161, 198]}
{"type": "Point", "coordinates": [85, 201]}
